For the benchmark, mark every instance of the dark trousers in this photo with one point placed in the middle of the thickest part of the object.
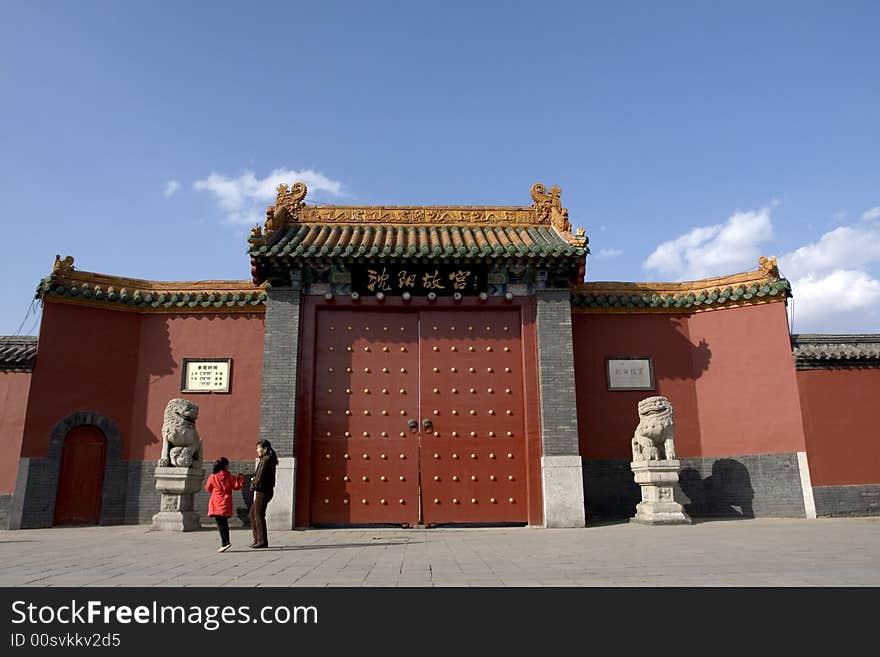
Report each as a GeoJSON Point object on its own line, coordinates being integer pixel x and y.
{"type": "Point", "coordinates": [257, 516]}
{"type": "Point", "coordinates": [223, 526]}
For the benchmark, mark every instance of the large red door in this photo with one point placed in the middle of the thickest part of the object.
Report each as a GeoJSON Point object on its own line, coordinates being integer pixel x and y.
{"type": "Point", "coordinates": [78, 497]}
{"type": "Point", "coordinates": [473, 462]}
{"type": "Point", "coordinates": [365, 455]}
{"type": "Point", "coordinates": [418, 418]}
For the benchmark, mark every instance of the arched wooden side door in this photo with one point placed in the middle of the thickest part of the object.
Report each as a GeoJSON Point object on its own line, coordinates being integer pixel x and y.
{"type": "Point", "coordinates": [78, 497]}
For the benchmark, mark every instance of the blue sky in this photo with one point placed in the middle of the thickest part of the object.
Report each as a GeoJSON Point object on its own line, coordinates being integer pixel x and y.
{"type": "Point", "coordinates": [688, 137]}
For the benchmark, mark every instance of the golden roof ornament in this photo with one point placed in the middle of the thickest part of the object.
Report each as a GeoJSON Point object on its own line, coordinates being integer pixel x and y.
{"type": "Point", "coordinates": [62, 266]}
{"type": "Point", "coordinates": [288, 204]}
{"type": "Point", "coordinates": [290, 209]}
{"type": "Point", "coordinates": [549, 207]}
{"type": "Point", "coordinates": [768, 266]}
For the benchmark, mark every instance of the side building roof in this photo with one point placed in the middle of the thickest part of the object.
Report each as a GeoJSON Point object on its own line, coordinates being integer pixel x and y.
{"type": "Point", "coordinates": [835, 351]}
{"type": "Point", "coordinates": [17, 353]}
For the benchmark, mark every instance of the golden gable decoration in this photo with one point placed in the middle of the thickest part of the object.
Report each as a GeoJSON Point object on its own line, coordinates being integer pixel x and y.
{"type": "Point", "coordinates": [290, 209]}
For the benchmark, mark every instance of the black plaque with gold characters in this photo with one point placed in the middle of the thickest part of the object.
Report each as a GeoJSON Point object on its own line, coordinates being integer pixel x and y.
{"type": "Point", "coordinates": [419, 279]}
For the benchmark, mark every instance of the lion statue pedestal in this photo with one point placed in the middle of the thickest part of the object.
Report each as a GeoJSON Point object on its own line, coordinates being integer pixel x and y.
{"type": "Point", "coordinates": [178, 486]}
{"type": "Point", "coordinates": [654, 465]}
{"type": "Point", "coordinates": [179, 474]}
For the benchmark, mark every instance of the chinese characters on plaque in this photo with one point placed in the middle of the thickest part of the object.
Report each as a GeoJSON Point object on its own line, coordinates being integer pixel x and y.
{"type": "Point", "coordinates": [631, 373]}
{"type": "Point", "coordinates": [442, 280]}
{"type": "Point", "coordinates": [206, 374]}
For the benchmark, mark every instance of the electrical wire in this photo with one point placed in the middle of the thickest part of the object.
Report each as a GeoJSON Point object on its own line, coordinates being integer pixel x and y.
{"type": "Point", "coordinates": [26, 315]}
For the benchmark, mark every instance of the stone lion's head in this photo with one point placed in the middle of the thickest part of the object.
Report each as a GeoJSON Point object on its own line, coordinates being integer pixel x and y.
{"type": "Point", "coordinates": [655, 407]}
{"type": "Point", "coordinates": [181, 409]}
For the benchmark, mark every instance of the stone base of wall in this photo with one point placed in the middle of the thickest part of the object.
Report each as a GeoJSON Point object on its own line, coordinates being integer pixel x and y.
{"type": "Point", "coordinates": [861, 500]}
{"type": "Point", "coordinates": [5, 509]}
{"type": "Point", "coordinates": [753, 486]}
{"type": "Point", "coordinates": [137, 502]}
{"type": "Point", "coordinates": [142, 498]}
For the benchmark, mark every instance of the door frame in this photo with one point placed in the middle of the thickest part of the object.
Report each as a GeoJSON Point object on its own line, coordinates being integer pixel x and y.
{"type": "Point", "coordinates": [312, 304]}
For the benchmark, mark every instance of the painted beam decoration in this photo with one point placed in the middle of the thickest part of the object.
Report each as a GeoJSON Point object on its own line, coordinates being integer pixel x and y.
{"type": "Point", "coordinates": [419, 280]}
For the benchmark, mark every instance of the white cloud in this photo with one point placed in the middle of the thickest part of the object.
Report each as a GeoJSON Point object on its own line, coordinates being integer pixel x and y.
{"type": "Point", "coordinates": [705, 251]}
{"type": "Point", "coordinates": [833, 282]}
{"type": "Point", "coordinates": [609, 253]}
{"type": "Point", "coordinates": [873, 213]}
{"type": "Point", "coordinates": [244, 199]}
{"type": "Point", "coordinates": [820, 301]}
{"type": "Point", "coordinates": [171, 188]}
{"type": "Point", "coordinates": [845, 247]}
{"type": "Point", "coordinates": [832, 287]}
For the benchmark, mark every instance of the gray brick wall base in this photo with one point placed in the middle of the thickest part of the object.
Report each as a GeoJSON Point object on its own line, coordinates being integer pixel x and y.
{"type": "Point", "coordinates": [5, 509]}
{"type": "Point", "coordinates": [142, 499]}
{"type": "Point", "coordinates": [135, 502]}
{"type": "Point", "coordinates": [861, 500]}
{"type": "Point", "coordinates": [752, 486]}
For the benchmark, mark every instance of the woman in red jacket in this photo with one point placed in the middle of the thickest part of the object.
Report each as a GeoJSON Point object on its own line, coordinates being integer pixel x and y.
{"type": "Point", "coordinates": [220, 485]}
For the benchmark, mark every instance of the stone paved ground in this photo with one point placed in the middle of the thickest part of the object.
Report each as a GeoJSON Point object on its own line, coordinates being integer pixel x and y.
{"type": "Point", "coordinates": [746, 553]}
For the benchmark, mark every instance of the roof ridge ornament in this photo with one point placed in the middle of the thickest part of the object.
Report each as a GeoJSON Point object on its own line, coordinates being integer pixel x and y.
{"type": "Point", "coordinates": [62, 265]}
{"type": "Point", "coordinates": [549, 207]}
{"type": "Point", "coordinates": [289, 201]}
{"type": "Point", "coordinates": [768, 266]}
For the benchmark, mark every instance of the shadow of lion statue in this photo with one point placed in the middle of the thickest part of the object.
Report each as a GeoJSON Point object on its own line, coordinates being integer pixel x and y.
{"type": "Point", "coordinates": [181, 445]}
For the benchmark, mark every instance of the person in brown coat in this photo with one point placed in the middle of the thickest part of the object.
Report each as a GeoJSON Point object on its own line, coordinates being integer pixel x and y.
{"type": "Point", "coordinates": [263, 485]}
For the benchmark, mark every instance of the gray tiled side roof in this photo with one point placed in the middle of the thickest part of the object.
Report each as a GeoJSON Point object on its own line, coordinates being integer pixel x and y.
{"type": "Point", "coordinates": [17, 353]}
{"type": "Point", "coordinates": [821, 350]}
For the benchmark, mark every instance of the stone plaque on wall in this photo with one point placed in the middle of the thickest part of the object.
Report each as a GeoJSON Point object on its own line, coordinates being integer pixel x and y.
{"type": "Point", "coordinates": [630, 373]}
{"type": "Point", "coordinates": [206, 375]}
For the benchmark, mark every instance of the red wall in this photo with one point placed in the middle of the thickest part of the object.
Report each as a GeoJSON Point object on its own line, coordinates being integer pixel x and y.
{"type": "Point", "coordinates": [606, 420]}
{"type": "Point", "coordinates": [748, 397]}
{"type": "Point", "coordinates": [228, 424]}
{"type": "Point", "coordinates": [86, 360]}
{"type": "Point", "coordinates": [728, 373]}
{"type": "Point", "coordinates": [127, 366]}
{"type": "Point", "coordinates": [13, 404]}
{"type": "Point", "coordinates": [839, 411]}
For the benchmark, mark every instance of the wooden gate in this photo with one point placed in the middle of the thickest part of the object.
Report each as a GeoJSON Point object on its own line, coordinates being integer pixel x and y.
{"type": "Point", "coordinates": [418, 418]}
{"type": "Point", "coordinates": [81, 479]}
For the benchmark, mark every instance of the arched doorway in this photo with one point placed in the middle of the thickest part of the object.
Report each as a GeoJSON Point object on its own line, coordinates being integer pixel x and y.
{"type": "Point", "coordinates": [81, 479]}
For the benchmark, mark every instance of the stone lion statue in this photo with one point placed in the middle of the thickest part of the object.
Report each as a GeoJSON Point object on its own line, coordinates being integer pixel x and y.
{"type": "Point", "coordinates": [181, 445]}
{"type": "Point", "coordinates": [653, 437]}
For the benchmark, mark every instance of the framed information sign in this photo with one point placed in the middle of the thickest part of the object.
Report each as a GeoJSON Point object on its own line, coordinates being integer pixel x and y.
{"type": "Point", "coordinates": [630, 372]}
{"type": "Point", "coordinates": [206, 375]}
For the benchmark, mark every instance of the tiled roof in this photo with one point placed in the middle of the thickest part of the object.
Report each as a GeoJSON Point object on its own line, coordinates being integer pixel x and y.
{"type": "Point", "coordinates": [813, 351]}
{"type": "Point", "coordinates": [295, 234]}
{"type": "Point", "coordinates": [400, 241]}
{"type": "Point", "coordinates": [67, 284]}
{"type": "Point", "coordinates": [748, 288]}
{"type": "Point", "coordinates": [17, 353]}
